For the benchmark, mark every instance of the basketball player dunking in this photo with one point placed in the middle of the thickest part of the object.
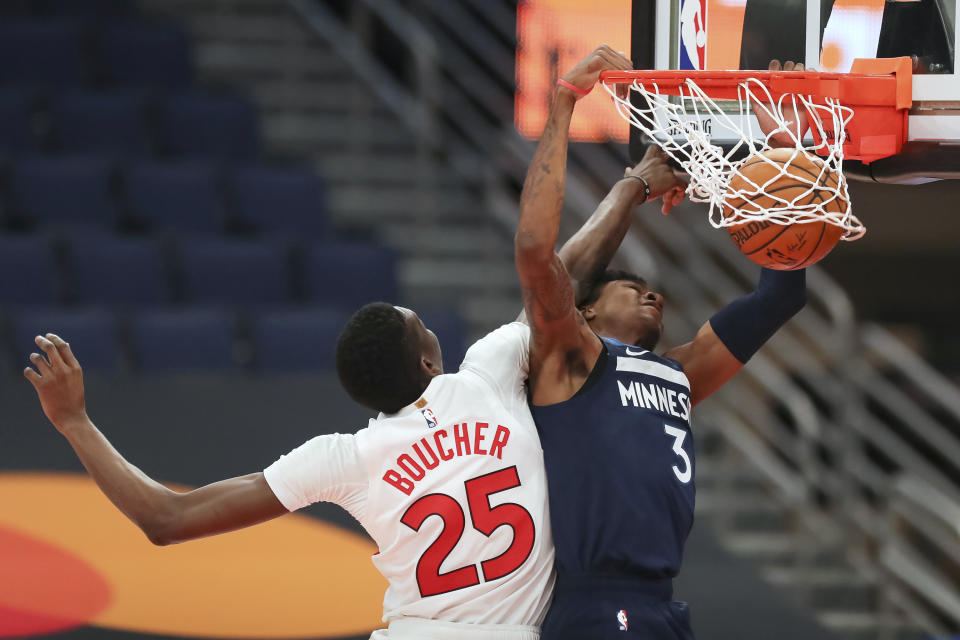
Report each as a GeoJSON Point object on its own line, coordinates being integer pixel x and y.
{"type": "Point", "coordinates": [613, 417]}
{"type": "Point", "coordinates": [448, 479]}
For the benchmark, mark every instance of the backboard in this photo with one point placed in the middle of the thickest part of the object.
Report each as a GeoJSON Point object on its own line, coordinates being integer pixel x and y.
{"type": "Point", "coordinates": [825, 35]}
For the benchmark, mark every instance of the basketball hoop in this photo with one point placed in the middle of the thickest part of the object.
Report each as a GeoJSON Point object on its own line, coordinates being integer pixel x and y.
{"type": "Point", "coordinates": [858, 115]}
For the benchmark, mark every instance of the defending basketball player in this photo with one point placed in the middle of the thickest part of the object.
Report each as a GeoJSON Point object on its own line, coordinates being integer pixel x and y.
{"type": "Point", "coordinates": [613, 417]}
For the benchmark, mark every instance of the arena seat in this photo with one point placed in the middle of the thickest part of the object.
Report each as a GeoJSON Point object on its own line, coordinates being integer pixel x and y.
{"type": "Point", "coordinates": [235, 272]}
{"type": "Point", "coordinates": [133, 53]}
{"type": "Point", "coordinates": [280, 200]}
{"type": "Point", "coordinates": [199, 125]}
{"type": "Point", "coordinates": [116, 270]}
{"type": "Point", "coordinates": [64, 190]}
{"type": "Point", "coordinates": [41, 53]}
{"type": "Point", "coordinates": [107, 121]}
{"type": "Point", "coordinates": [28, 273]}
{"type": "Point", "coordinates": [92, 334]}
{"type": "Point", "coordinates": [174, 195]}
{"type": "Point", "coordinates": [17, 121]}
{"type": "Point", "coordinates": [350, 274]}
{"type": "Point", "coordinates": [183, 340]}
{"type": "Point", "coordinates": [298, 340]}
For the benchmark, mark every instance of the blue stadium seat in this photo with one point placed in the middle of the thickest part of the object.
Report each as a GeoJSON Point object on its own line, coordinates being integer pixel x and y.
{"type": "Point", "coordinates": [297, 340]}
{"type": "Point", "coordinates": [350, 274]}
{"type": "Point", "coordinates": [198, 125]}
{"type": "Point", "coordinates": [235, 272]}
{"type": "Point", "coordinates": [116, 270]}
{"type": "Point", "coordinates": [280, 201]}
{"type": "Point", "coordinates": [71, 191]}
{"type": "Point", "coordinates": [449, 329]}
{"type": "Point", "coordinates": [184, 340]}
{"type": "Point", "coordinates": [182, 195]}
{"type": "Point", "coordinates": [138, 54]}
{"type": "Point", "coordinates": [41, 52]}
{"type": "Point", "coordinates": [28, 273]}
{"type": "Point", "coordinates": [92, 334]}
{"type": "Point", "coordinates": [17, 121]}
{"type": "Point", "coordinates": [109, 121]}
{"type": "Point", "coordinates": [85, 9]}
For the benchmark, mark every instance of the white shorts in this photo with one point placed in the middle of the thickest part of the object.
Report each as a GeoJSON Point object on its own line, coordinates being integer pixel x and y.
{"type": "Point", "coordinates": [422, 629]}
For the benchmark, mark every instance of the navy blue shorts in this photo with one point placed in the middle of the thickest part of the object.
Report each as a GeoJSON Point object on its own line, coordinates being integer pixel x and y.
{"type": "Point", "coordinates": [600, 608]}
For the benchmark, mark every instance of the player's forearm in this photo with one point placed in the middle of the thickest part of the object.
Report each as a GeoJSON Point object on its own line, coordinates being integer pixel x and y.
{"type": "Point", "coordinates": [543, 190]}
{"type": "Point", "coordinates": [147, 503]}
{"type": "Point", "coordinates": [590, 250]}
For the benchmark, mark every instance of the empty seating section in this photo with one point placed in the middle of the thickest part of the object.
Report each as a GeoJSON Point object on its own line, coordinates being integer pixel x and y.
{"type": "Point", "coordinates": [137, 218]}
{"type": "Point", "coordinates": [137, 54]}
{"type": "Point", "coordinates": [17, 121]}
{"type": "Point", "coordinates": [297, 340]}
{"type": "Point", "coordinates": [183, 340]}
{"type": "Point", "coordinates": [199, 125]}
{"type": "Point", "coordinates": [182, 196]}
{"type": "Point", "coordinates": [107, 121]}
{"type": "Point", "coordinates": [117, 271]}
{"type": "Point", "coordinates": [280, 201]}
{"type": "Point", "coordinates": [44, 53]}
{"type": "Point", "coordinates": [92, 334]}
{"type": "Point", "coordinates": [350, 274]}
{"type": "Point", "coordinates": [63, 191]}
{"type": "Point", "coordinates": [235, 272]}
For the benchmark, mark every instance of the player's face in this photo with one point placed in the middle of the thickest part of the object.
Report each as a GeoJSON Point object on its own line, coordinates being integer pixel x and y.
{"type": "Point", "coordinates": [630, 312]}
{"type": "Point", "coordinates": [429, 345]}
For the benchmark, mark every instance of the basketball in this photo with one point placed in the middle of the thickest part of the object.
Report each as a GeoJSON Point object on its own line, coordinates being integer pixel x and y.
{"type": "Point", "coordinates": [779, 246]}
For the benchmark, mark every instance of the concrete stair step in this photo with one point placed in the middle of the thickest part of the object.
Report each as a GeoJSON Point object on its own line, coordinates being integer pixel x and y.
{"type": "Point", "coordinates": [358, 205]}
{"type": "Point", "coordinates": [330, 99]}
{"type": "Point", "coordinates": [190, 7]}
{"type": "Point", "coordinates": [387, 169]}
{"type": "Point", "coordinates": [273, 27]}
{"type": "Point", "coordinates": [458, 275]}
{"type": "Point", "coordinates": [853, 625]}
{"type": "Point", "coordinates": [828, 588]}
{"type": "Point", "coordinates": [241, 62]}
{"type": "Point", "coordinates": [783, 549]}
{"type": "Point", "coordinates": [447, 240]}
{"type": "Point", "coordinates": [305, 134]}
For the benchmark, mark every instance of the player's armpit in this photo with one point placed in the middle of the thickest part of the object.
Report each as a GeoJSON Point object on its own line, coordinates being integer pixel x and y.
{"type": "Point", "coordinates": [217, 508]}
{"type": "Point", "coordinates": [707, 363]}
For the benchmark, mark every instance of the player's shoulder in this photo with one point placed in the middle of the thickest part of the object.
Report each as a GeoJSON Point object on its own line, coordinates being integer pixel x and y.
{"type": "Point", "coordinates": [513, 336]}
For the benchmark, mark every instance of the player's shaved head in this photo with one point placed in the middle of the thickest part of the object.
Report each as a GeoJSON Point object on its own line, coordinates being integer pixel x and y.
{"type": "Point", "coordinates": [378, 358]}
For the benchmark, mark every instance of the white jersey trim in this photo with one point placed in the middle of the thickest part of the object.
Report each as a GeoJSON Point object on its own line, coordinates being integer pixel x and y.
{"type": "Point", "coordinates": [651, 368]}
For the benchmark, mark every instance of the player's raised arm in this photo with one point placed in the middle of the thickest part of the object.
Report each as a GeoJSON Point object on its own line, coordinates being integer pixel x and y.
{"type": "Point", "coordinates": [548, 296]}
{"type": "Point", "coordinates": [165, 516]}
{"type": "Point", "coordinates": [724, 344]}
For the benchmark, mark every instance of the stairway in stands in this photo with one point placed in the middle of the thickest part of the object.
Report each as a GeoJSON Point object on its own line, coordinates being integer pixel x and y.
{"type": "Point", "coordinates": [312, 108]}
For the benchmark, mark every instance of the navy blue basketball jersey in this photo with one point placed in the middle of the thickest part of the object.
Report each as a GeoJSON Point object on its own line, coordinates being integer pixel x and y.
{"type": "Point", "coordinates": [620, 467]}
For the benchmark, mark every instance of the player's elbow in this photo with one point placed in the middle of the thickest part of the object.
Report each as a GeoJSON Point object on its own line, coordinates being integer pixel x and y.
{"type": "Point", "coordinates": [532, 249]}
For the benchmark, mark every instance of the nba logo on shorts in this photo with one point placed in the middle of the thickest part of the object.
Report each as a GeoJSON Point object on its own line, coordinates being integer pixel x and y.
{"type": "Point", "coordinates": [693, 34]}
{"type": "Point", "coordinates": [429, 417]}
{"type": "Point", "coordinates": [622, 620]}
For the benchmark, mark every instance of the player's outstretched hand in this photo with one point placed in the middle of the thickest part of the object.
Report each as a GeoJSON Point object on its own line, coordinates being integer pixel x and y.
{"type": "Point", "coordinates": [797, 120]}
{"type": "Point", "coordinates": [663, 180]}
{"type": "Point", "coordinates": [584, 75]}
{"type": "Point", "coordinates": [58, 380]}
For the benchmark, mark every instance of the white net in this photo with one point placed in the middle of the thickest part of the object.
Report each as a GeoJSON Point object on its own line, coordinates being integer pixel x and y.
{"type": "Point", "coordinates": [685, 128]}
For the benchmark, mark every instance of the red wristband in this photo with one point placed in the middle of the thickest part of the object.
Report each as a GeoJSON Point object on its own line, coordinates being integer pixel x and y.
{"type": "Point", "coordinates": [577, 90]}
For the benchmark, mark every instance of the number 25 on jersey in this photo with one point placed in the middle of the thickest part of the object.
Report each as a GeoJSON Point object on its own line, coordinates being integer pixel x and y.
{"type": "Point", "coordinates": [485, 519]}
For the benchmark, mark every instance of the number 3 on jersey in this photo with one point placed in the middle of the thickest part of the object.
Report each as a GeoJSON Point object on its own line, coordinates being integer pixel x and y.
{"type": "Point", "coordinates": [678, 436]}
{"type": "Point", "coordinates": [486, 520]}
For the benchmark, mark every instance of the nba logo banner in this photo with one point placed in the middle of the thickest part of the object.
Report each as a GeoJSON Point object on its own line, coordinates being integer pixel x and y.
{"type": "Point", "coordinates": [693, 34]}
{"type": "Point", "coordinates": [430, 417]}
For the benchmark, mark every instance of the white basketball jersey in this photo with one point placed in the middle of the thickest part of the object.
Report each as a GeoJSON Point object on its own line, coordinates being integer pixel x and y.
{"type": "Point", "coordinates": [457, 499]}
